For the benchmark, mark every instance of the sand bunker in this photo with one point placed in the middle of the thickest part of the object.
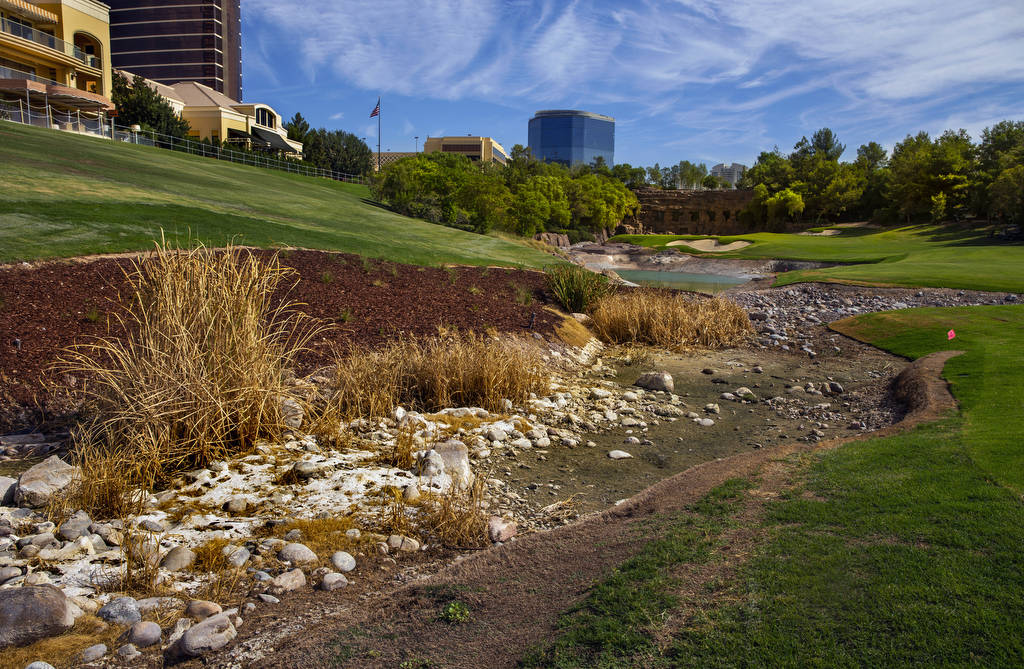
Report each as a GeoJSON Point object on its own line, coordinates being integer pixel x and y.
{"type": "Point", "coordinates": [709, 245]}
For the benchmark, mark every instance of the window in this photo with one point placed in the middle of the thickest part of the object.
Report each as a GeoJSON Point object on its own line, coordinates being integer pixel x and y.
{"type": "Point", "coordinates": [266, 118]}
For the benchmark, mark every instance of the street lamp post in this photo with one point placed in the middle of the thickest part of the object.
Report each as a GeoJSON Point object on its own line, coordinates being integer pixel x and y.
{"type": "Point", "coordinates": [417, 143]}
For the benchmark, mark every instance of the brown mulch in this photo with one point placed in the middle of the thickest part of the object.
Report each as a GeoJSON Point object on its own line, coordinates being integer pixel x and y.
{"type": "Point", "coordinates": [47, 307]}
{"type": "Point", "coordinates": [516, 592]}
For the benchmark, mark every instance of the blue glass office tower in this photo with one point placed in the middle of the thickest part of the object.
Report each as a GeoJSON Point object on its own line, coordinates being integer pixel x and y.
{"type": "Point", "coordinates": [570, 137]}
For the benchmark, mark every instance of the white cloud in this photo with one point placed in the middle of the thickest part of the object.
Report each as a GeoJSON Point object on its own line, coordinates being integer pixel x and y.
{"type": "Point", "coordinates": [337, 116]}
{"type": "Point", "coordinates": [407, 127]}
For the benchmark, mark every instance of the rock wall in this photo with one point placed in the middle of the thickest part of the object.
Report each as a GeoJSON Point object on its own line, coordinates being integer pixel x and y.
{"type": "Point", "coordinates": [686, 212]}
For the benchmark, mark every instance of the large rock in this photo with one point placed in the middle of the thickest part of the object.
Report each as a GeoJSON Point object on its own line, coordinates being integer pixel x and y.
{"type": "Point", "coordinates": [32, 613]}
{"type": "Point", "coordinates": [75, 526]}
{"type": "Point", "coordinates": [144, 634]}
{"type": "Point", "coordinates": [120, 611]}
{"type": "Point", "coordinates": [297, 554]}
{"type": "Point", "coordinates": [499, 529]}
{"type": "Point", "coordinates": [343, 562]}
{"type": "Point", "coordinates": [41, 482]}
{"type": "Point", "coordinates": [210, 635]}
{"type": "Point", "coordinates": [287, 582]}
{"type": "Point", "coordinates": [430, 464]}
{"type": "Point", "coordinates": [656, 381]}
{"type": "Point", "coordinates": [201, 609]}
{"type": "Point", "coordinates": [333, 581]}
{"type": "Point", "coordinates": [178, 558]}
{"type": "Point", "coordinates": [455, 456]}
{"type": "Point", "coordinates": [7, 488]}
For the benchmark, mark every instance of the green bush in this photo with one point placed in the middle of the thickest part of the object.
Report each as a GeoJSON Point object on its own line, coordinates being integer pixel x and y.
{"type": "Point", "coordinates": [577, 288]}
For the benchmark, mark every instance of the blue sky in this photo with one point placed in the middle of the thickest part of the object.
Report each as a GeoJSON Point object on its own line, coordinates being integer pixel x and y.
{"type": "Point", "coordinates": [685, 79]}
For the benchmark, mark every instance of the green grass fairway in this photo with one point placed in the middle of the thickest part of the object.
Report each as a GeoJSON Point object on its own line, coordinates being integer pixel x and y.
{"type": "Point", "coordinates": [896, 552]}
{"type": "Point", "coordinates": [911, 256]}
{"type": "Point", "coordinates": [68, 195]}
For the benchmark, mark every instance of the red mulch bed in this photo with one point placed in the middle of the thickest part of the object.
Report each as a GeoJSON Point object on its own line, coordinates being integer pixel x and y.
{"type": "Point", "coordinates": [48, 307]}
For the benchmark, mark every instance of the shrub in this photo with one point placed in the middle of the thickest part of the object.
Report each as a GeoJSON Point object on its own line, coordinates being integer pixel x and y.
{"type": "Point", "coordinates": [452, 369]}
{"type": "Point", "coordinates": [670, 320]}
{"type": "Point", "coordinates": [577, 288]}
{"type": "Point", "coordinates": [198, 376]}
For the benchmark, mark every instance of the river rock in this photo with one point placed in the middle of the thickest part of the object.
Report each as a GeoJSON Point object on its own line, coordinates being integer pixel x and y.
{"type": "Point", "coordinates": [7, 488]}
{"type": "Point", "coordinates": [499, 529]}
{"type": "Point", "coordinates": [292, 413]}
{"type": "Point", "coordinates": [296, 553]}
{"type": "Point", "coordinates": [210, 635]}
{"type": "Point", "coordinates": [618, 455]}
{"type": "Point", "coordinates": [430, 464]}
{"type": "Point", "coordinates": [144, 634]}
{"type": "Point", "coordinates": [287, 582]}
{"type": "Point", "coordinates": [600, 393]}
{"type": "Point", "coordinates": [333, 581]}
{"type": "Point", "coordinates": [343, 561]}
{"type": "Point", "coordinates": [120, 611]}
{"type": "Point", "coordinates": [201, 609]}
{"type": "Point", "coordinates": [455, 456]}
{"type": "Point", "coordinates": [42, 481]}
{"type": "Point", "coordinates": [39, 664]}
{"type": "Point", "coordinates": [32, 613]}
{"type": "Point", "coordinates": [178, 558]}
{"type": "Point", "coordinates": [656, 381]}
{"type": "Point", "coordinates": [75, 526]}
{"type": "Point", "coordinates": [93, 653]}
{"type": "Point", "coordinates": [128, 652]}
{"type": "Point", "coordinates": [397, 542]}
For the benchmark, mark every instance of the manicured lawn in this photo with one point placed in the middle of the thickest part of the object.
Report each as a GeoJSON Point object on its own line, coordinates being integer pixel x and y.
{"type": "Point", "coordinates": [66, 195]}
{"type": "Point", "coordinates": [903, 551]}
{"type": "Point", "coordinates": [911, 256]}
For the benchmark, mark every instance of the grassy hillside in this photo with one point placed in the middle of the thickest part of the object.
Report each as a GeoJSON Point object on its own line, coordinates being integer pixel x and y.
{"type": "Point", "coordinates": [68, 195]}
{"type": "Point", "coordinates": [910, 256]}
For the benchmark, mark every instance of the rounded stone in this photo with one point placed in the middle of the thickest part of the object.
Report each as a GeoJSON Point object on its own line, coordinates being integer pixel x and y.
{"type": "Point", "coordinates": [333, 581]}
{"type": "Point", "coordinates": [178, 558]}
{"type": "Point", "coordinates": [144, 634]}
{"type": "Point", "coordinates": [93, 653]}
{"type": "Point", "coordinates": [121, 611]}
{"type": "Point", "coordinates": [200, 609]}
{"type": "Point", "coordinates": [343, 561]}
{"type": "Point", "coordinates": [296, 553]}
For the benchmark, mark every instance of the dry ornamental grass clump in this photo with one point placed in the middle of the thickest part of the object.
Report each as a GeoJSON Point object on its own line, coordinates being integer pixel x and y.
{"type": "Point", "coordinates": [450, 370]}
{"type": "Point", "coordinates": [670, 320]}
{"type": "Point", "coordinates": [198, 376]}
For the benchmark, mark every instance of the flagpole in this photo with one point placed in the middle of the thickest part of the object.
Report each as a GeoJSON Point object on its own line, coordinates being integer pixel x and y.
{"type": "Point", "coordinates": [378, 135]}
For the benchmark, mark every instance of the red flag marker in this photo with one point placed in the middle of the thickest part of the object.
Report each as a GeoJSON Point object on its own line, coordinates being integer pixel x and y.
{"type": "Point", "coordinates": [950, 334]}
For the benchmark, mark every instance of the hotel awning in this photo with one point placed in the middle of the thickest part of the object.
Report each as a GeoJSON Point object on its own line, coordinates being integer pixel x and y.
{"type": "Point", "coordinates": [273, 139]}
{"type": "Point", "coordinates": [238, 134]}
{"type": "Point", "coordinates": [28, 9]}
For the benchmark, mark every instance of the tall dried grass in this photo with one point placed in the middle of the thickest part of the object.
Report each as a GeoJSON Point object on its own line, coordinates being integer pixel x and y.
{"type": "Point", "coordinates": [449, 370]}
{"type": "Point", "coordinates": [198, 376]}
{"type": "Point", "coordinates": [456, 518]}
{"type": "Point", "coordinates": [670, 320]}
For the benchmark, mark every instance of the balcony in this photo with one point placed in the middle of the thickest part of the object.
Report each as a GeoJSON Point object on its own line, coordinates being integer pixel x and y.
{"type": "Point", "coordinates": [49, 41]}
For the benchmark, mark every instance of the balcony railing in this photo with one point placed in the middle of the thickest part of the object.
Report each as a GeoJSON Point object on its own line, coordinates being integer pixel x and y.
{"type": "Point", "coordinates": [39, 37]}
{"type": "Point", "coordinates": [8, 73]}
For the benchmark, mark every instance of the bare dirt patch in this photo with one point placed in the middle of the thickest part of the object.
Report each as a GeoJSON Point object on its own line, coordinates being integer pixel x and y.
{"type": "Point", "coordinates": [710, 245]}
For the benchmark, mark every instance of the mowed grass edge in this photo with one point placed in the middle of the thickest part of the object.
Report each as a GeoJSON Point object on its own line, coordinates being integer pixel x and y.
{"type": "Point", "coordinates": [69, 195]}
{"type": "Point", "coordinates": [920, 255]}
{"type": "Point", "coordinates": [889, 552]}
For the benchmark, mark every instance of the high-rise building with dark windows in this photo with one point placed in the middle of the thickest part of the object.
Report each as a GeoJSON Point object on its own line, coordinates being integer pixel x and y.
{"type": "Point", "coordinates": [571, 137]}
{"type": "Point", "coordinates": [179, 40]}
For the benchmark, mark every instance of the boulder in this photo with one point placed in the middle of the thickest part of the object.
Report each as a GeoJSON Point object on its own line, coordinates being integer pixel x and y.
{"type": "Point", "coordinates": [333, 581]}
{"type": "Point", "coordinates": [455, 456]}
{"type": "Point", "coordinates": [210, 635]}
{"type": "Point", "coordinates": [42, 481]}
{"type": "Point", "coordinates": [200, 609]}
{"type": "Point", "coordinates": [144, 634]}
{"type": "Point", "coordinates": [120, 611]}
{"type": "Point", "coordinates": [178, 558]}
{"type": "Point", "coordinates": [343, 561]}
{"type": "Point", "coordinates": [396, 542]}
{"type": "Point", "coordinates": [32, 613]}
{"type": "Point", "coordinates": [656, 381]}
{"type": "Point", "coordinates": [7, 489]}
{"type": "Point", "coordinates": [296, 553]}
{"type": "Point", "coordinates": [430, 464]}
{"type": "Point", "coordinates": [499, 529]}
{"type": "Point", "coordinates": [75, 526]}
{"type": "Point", "coordinates": [287, 582]}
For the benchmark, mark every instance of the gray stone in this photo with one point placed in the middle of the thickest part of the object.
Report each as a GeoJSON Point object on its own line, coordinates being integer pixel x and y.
{"type": "Point", "coordinates": [455, 456]}
{"type": "Point", "coordinates": [834, 388]}
{"type": "Point", "coordinates": [618, 455]}
{"type": "Point", "coordinates": [236, 506]}
{"type": "Point", "coordinates": [296, 553]}
{"type": "Point", "coordinates": [32, 613]}
{"type": "Point", "coordinates": [201, 609]}
{"type": "Point", "coordinates": [40, 482]}
{"type": "Point", "coordinates": [268, 599]}
{"type": "Point", "coordinates": [144, 634]}
{"type": "Point", "coordinates": [430, 464]}
{"type": "Point", "coordinates": [121, 611]}
{"type": "Point", "coordinates": [704, 422]}
{"type": "Point", "coordinates": [600, 393]}
{"type": "Point", "coordinates": [237, 555]}
{"type": "Point", "coordinates": [343, 561]}
{"type": "Point", "coordinates": [150, 604]}
{"type": "Point", "coordinates": [178, 558]}
{"type": "Point", "coordinates": [397, 542]}
{"type": "Point", "coordinates": [292, 413]}
{"type": "Point", "coordinates": [333, 581]}
{"type": "Point", "coordinates": [93, 653]}
{"type": "Point", "coordinates": [128, 652]}
{"type": "Point", "coordinates": [150, 525]}
{"type": "Point", "coordinates": [292, 535]}
{"type": "Point", "coordinates": [499, 529]}
{"type": "Point", "coordinates": [75, 526]}
{"type": "Point", "coordinates": [210, 635]}
{"type": "Point", "coordinates": [38, 664]}
{"type": "Point", "coordinates": [7, 573]}
{"type": "Point", "coordinates": [287, 582]}
{"type": "Point", "coordinates": [656, 381]}
{"type": "Point", "coordinates": [495, 434]}
{"type": "Point", "coordinates": [7, 489]}
{"type": "Point", "coordinates": [307, 470]}
{"type": "Point", "coordinates": [411, 494]}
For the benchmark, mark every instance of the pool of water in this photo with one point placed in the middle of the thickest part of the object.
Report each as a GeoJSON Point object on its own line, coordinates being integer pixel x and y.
{"type": "Point", "coordinates": [701, 283]}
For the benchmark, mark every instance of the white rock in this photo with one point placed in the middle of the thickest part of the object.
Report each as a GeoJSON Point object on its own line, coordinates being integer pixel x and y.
{"type": "Point", "coordinates": [618, 455]}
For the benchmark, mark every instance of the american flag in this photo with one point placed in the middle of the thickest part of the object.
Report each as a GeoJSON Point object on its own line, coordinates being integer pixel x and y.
{"type": "Point", "coordinates": [376, 110]}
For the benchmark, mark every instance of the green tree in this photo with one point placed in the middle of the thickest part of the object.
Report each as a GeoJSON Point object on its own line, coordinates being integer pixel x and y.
{"type": "Point", "coordinates": [298, 128]}
{"type": "Point", "coordinates": [337, 150]}
{"type": "Point", "coordinates": [629, 176]}
{"type": "Point", "coordinates": [1007, 195]}
{"type": "Point", "coordinates": [138, 104]}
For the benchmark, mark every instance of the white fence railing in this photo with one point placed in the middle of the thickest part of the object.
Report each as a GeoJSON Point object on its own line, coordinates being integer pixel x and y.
{"type": "Point", "coordinates": [93, 124]}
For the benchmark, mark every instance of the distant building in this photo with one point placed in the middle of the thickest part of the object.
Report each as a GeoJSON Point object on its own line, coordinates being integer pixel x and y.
{"type": "Point", "coordinates": [731, 173]}
{"type": "Point", "coordinates": [57, 54]}
{"type": "Point", "coordinates": [474, 148]}
{"type": "Point", "coordinates": [571, 137]}
{"type": "Point", "coordinates": [180, 40]}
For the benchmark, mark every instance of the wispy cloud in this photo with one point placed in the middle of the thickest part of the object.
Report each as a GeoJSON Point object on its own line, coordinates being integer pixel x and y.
{"type": "Point", "coordinates": [337, 116]}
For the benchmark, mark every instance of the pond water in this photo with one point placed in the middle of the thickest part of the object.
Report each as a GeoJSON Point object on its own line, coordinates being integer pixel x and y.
{"type": "Point", "coordinates": [701, 283]}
